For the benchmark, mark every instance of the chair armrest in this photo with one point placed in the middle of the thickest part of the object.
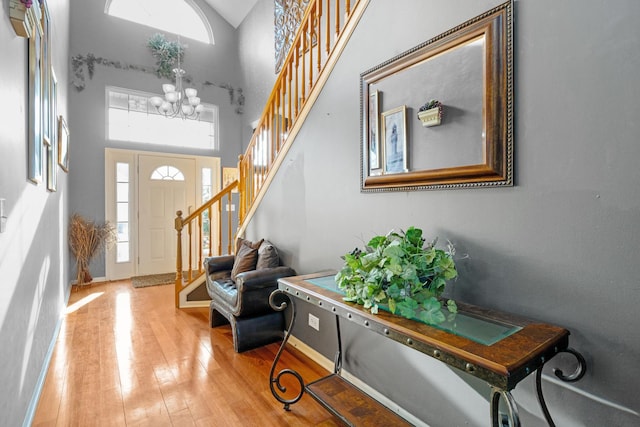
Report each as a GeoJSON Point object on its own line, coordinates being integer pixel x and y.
{"type": "Point", "coordinates": [218, 263]}
{"type": "Point", "coordinates": [260, 279]}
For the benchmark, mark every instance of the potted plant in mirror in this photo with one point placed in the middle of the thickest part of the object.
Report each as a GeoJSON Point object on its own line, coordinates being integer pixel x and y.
{"type": "Point", "coordinates": [399, 272]}
{"type": "Point", "coordinates": [430, 114]}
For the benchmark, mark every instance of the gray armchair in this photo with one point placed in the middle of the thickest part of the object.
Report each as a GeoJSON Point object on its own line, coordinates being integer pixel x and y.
{"type": "Point", "coordinates": [239, 286]}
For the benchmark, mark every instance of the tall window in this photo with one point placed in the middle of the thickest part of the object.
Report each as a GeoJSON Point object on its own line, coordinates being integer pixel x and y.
{"type": "Point", "coordinates": [132, 118]}
{"type": "Point", "coordinates": [122, 212]}
{"type": "Point", "coordinates": [182, 17]}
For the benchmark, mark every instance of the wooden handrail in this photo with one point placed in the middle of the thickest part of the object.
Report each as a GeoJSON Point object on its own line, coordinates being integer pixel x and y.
{"type": "Point", "coordinates": [200, 240]}
{"type": "Point", "coordinates": [312, 54]}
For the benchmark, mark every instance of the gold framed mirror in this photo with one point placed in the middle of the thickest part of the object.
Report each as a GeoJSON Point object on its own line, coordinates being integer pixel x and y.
{"type": "Point", "coordinates": [457, 90]}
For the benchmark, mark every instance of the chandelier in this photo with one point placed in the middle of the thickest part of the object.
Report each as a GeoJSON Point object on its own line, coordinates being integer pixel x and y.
{"type": "Point", "coordinates": [178, 102]}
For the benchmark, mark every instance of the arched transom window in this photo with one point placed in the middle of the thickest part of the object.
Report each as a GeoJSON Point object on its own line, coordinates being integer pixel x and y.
{"type": "Point", "coordinates": [167, 173]}
{"type": "Point", "coordinates": [181, 17]}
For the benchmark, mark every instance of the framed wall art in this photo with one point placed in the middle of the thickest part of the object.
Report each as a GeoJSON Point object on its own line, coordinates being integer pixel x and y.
{"type": "Point", "coordinates": [35, 140]}
{"type": "Point", "coordinates": [52, 147]}
{"type": "Point", "coordinates": [63, 144]}
{"type": "Point", "coordinates": [47, 123]}
{"type": "Point", "coordinates": [374, 133]}
{"type": "Point", "coordinates": [394, 135]}
{"type": "Point", "coordinates": [468, 143]}
{"type": "Point", "coordinates": [52, 170]}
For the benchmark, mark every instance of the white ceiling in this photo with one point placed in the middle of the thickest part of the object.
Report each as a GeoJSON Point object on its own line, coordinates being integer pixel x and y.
{"type": "Point", "coordinates": [233, 11]}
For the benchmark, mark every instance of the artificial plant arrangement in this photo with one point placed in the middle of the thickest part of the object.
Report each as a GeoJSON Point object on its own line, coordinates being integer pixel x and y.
{"type": "Point", "coordinates": [166, 54]}
{"type": "Point", "coordinates": [432, 103]}
{"type": "Point", "coordinates": [400, 272]}
{"type": "Point", "coordinates": [86, 240]}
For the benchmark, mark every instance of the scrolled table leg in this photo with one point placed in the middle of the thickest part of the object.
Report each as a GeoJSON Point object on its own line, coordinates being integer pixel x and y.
{"type": "Point", "coordinates": [274, 380]}
{"type": "Point", "coordinates": [581, 369]}
{"type": "Point", "coordinates": [512, 408]}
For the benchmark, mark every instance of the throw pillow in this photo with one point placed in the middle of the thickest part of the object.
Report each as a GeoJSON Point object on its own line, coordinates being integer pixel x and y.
{"type": "Point", "coordinates": [267, 256]}
{"type": "Point", "coordinates": [240, 241]}
{"type": "Point", "coordinates": [246, 258]}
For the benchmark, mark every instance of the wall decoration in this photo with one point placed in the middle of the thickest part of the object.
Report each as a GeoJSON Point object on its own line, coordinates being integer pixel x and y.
{"type": "Point", "coordinates": [430, 114]}
{"type": "Point", "coordinates": [288, 15]}
{"type": "Point", "coordinates": [52, 170]}
{"type": "Point", "coordinates": [394, 135]}
{"type": "Point", "coordinates": [35, 141]}
{"type": "Point", "coordinates": [374, 132]}
{"type": "Point", "coordinates": [52, 148]}
{"type": "Point", "coordinates": [23, 17]}
{"type": "Point", "coordinates": [63, 144]}
{"type": "Point", "coordinates": [46, 72]}
{"type": "Point", "coordinates": [464, 138]}
{"type": "Point", "coordinates": [228, 176]}
{"type": "Point", "coordinates": [85, 64]}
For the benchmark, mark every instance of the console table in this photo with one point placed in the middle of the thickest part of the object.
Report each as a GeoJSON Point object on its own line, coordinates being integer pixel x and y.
{"type": "Point", "coordinates": [499, 348]}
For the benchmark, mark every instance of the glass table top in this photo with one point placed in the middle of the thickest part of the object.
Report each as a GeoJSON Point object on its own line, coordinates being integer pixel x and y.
{"type": "Point", "coordinates": [479, 329]}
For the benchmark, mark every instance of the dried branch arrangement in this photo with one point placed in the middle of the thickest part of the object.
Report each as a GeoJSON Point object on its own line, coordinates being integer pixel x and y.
{"type": "Point", "coordinates": [86, 240]}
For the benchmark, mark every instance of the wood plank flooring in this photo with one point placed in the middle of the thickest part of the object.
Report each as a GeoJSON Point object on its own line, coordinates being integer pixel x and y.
{"type": "Point", "coordinates": [128, 357]}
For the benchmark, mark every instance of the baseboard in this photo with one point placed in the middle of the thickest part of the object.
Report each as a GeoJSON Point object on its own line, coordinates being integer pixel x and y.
{"type": "Point", "coordinates": [35, 397]}
{"type": "Point", "coordinates": [327, 364]}
{"type": "Point", "coordinates": [94, 280]}
{"type": "Point", "coordinates": [311, 353]}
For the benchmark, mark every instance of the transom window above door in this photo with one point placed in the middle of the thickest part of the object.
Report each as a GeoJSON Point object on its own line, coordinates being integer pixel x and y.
{"type": "Point", "coordinates": [132, 118]}
{"type": "Point", "coordinates": [181, 17]}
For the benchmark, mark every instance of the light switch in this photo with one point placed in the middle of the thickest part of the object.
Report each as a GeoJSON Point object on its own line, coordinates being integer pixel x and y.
{"type": "Point", "coordinates": [3, 216]}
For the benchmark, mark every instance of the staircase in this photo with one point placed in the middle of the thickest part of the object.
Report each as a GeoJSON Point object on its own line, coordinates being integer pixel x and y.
{"type": "Point", "coordinates": [322, 35]}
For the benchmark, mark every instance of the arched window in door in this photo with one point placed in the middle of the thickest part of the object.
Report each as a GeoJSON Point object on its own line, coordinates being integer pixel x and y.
{"type": "Point", "coordinates": [167, 173]}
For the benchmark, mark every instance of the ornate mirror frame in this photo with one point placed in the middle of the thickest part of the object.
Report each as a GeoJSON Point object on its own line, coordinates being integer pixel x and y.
{"type": "Point", "coordinates": [482, 125]}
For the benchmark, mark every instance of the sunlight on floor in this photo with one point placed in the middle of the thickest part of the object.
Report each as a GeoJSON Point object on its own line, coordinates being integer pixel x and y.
{"type": "Point", "coordinates": [122, 331]}
{"type": "Point", "coordinates": [84, 301]}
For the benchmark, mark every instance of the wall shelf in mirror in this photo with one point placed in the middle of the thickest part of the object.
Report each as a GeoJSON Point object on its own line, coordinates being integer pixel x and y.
{"type": "Point", "coordinates": [469, 70]}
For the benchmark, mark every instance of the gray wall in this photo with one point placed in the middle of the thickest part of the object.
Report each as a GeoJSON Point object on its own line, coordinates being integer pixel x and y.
{"type": "Point", "coordinates": [33, 253]}
{"type": "Point", "coordinates": [92, 31]}
{"type": "Point", "coordinates": [257, 66]}
{"type": "Point", "coordinates": [560, 246]}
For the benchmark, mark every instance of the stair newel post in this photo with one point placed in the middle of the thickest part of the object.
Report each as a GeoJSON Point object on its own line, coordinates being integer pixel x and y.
{"type": "Point", "coordinates": [179, 223]}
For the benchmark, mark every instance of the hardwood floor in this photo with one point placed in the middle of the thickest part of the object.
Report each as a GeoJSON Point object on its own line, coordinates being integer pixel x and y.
{"type": "Point", "coordinates": [128, 357]}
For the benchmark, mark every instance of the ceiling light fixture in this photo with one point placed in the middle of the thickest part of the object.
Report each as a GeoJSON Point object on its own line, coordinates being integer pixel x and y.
{"type": "Point", "coordinates": [178, 102]}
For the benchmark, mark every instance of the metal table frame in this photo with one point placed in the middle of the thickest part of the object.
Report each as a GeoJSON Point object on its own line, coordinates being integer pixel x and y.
{"type": "Point", "coordinates": [501, 379]}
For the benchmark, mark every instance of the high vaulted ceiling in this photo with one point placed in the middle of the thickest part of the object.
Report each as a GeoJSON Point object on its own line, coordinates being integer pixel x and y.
{"type": "Point", "coordinates": [233, 11]}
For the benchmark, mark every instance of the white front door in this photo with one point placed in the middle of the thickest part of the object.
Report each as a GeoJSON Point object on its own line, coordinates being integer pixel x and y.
{"type": "Point", "coordinates": [166, 185]}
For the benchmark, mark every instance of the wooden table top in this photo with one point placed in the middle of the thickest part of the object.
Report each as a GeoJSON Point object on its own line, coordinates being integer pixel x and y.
{"type": "Point", "coordinates": [502, 364]}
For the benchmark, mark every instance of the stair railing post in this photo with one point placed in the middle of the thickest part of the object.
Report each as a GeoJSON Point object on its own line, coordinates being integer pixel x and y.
{"type": "Point", "coordinates": [178, 284]}
{"type": "Point", "coordinates": [241, 189]}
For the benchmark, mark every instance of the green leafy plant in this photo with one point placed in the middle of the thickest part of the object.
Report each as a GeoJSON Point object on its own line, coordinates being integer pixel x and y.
{"type": "Point", "coordinates": [166, 54]}
{"type": "Point", "coordinates": [399, 271]}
